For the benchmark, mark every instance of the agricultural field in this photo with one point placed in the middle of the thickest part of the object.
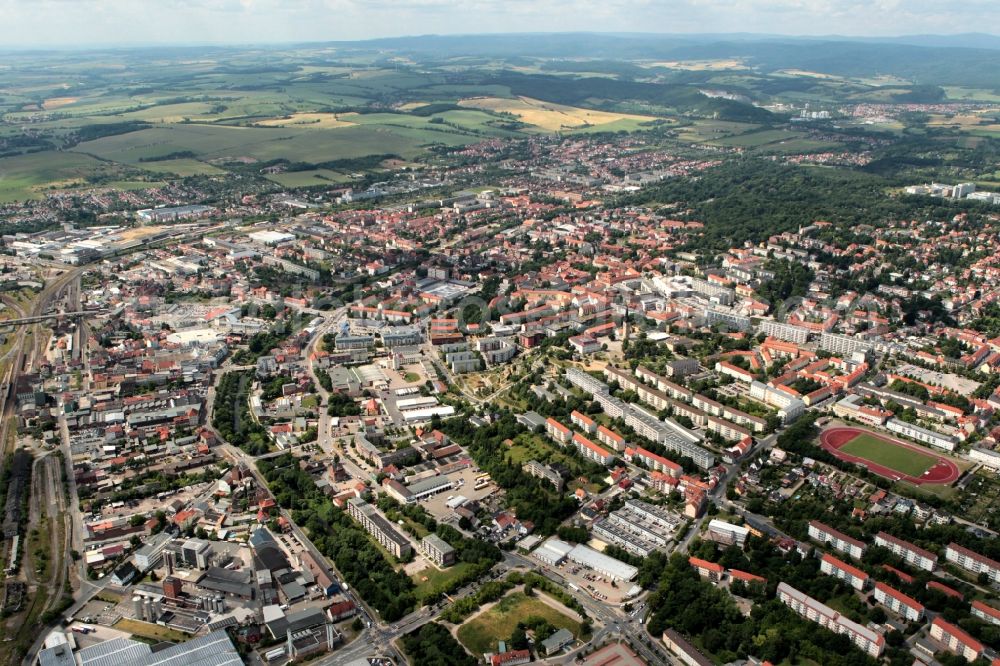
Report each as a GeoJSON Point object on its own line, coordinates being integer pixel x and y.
{"type": "Point", "coordinates": [309, 178]}
{"type": "Point", "coordinates": [28, 176]}
{"type": "Point", "coordinates": [182, 167]}
{"type": "Point", "coordinates": [309, 120]}
{"type": "Point", "coordinates": [481, 633]}
{"type": "Point", "coordinates": [134, 117]}
{"type": "Point", "coordinates": [550, 116]}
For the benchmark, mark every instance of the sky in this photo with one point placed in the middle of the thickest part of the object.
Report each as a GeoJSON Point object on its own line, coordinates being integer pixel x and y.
{"type": "Point", "coordinates": [26, 23]}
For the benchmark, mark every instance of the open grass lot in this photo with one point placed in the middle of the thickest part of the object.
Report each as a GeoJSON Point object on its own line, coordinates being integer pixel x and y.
{"type": "Point", "coordinates": [758, 139]}
{"type": "Point", "coordinates": [711, 130]}
{"type": "Point", "coordinates": [150, 631]}
{"type": "Point", "coordinates": [437, 578]}
{"type": "Point", "coordinates": [882, 452]}
{"type": "Point", "coordinates": [481, 633]}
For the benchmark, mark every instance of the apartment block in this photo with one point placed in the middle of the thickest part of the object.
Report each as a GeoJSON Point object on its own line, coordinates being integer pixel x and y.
{"type": "Point", "coordinates": [557, 431]}
{"type": "Point", "coordinates": [868, 641]}
{"type": "Point", "coordinates": [379, 527]}
{"type": "Point", "coordinates": [786, 332]}
{"type": "Point", "coordinates": [972, 561]}
{"type": "Point", "coordinates": [985, 612]}
{"type": "Point", "coordinates": [610, 438]}
{"type": "Point", "coordinates": [837, 540]}
{"type": "Point", "coordinates": [955, 640]}
{"type": "Point", "coordinates": [544, 472]}
{"type": "Point", "coordinates": [592, 451]}
{"type": "Point", "coordinates": [841, 570]}
{"type": "Point", "coordinates": [727, 534]}
{"type": "Point", "coordinates": [583, 422]}
{"type": "Point", "coordinates": [653, 461]}
{"type": "Point", "coordinates": [911, 554]}
{"type": "Point", "coordinates": [437, 550]}
{"type": "Point", "coordinates": [843, 345]}
{"type": "Point", "coordinates": [899, 603]}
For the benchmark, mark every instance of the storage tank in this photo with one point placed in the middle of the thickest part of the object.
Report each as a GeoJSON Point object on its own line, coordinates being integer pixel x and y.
{"type": "Point", "coordinates": [147, 606]}
{"type": "Point", "coordinates": [157, 610]}
{"type": "Point", "coordinates": [137, 607]}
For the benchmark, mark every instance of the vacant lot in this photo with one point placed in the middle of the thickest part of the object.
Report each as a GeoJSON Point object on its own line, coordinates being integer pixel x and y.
{"type": "Point", "coordinates": [430, 579]}
{"type": "Point", "coordinates": [481, 633]}
{"type": "Point", "coordinates": [150, 631]}
{"type": "Point", "coordinates": [883, 452]}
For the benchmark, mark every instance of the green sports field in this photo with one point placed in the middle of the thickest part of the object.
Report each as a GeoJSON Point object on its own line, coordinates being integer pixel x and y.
{"type": "Point", "coordinates": [887, 454]}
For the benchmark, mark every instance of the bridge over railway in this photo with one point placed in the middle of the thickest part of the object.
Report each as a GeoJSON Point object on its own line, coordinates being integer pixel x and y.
{"type": "Point", "coordinates": [54, 316]}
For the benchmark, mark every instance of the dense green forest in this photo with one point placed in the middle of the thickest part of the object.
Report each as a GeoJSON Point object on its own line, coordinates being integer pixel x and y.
{"type": "Point", "coordinates": [751, 199]}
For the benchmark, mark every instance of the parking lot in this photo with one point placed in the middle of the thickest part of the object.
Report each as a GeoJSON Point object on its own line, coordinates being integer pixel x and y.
{"type": "Point", "coordinates": [597, 585]}
{"type": "Point", "coordinates": [465, 482]}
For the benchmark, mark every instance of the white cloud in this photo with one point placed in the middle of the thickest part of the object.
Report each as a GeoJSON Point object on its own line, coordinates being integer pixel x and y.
{"type": "Point", "coordinates": [62, 22]}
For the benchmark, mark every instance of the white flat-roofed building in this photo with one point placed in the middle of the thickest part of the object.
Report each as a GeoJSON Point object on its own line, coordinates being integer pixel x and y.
{"type": "Point", "coordinates": [429, 487]}
{"type": "Point", "coordinates": [148, 555]}
{"type": "Point", "coordinates": [602, 564]}
{"type": "Point", "coordinates": [726, 533]}
{"type": "Point", "coordinates": [428, 413]}
{"type": "Point", "coordinates": [987, 457]}
{"type": "Point", "coordinates": [868, 641]}
{"type": "Point", "coordinates": [787, 332]}
{"type": "Point", "coordinates": [271, 237]}
{"type": "Point", "coordinates": [921, 434]}
{"type": "Point", "coordinates": [843, 345]}
{"type": "Point", "coordinates": [553, 552]}
{"type": "Point", "coordinates": [585, 381]}
{"type": "Point", "coordinates": [912, 554]}
{"type": "Point", "coordinates": [899, 603]}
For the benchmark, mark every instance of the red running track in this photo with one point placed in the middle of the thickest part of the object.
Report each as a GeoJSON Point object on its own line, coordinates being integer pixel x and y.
{"type": "Point", "coordinates": [944, 471]}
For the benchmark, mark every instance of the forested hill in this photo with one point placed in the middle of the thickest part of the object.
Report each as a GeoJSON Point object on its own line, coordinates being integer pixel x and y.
{"type": "Point", "coordinates": [751, 199]}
